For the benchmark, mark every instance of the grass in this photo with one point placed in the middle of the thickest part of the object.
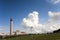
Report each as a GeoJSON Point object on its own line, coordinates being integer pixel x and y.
{"type": "Point", "coordinates": [53, 36]}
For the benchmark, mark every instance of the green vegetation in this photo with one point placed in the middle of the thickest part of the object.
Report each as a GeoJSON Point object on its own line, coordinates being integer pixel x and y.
{"type": "Point", "coordinates": [54, 36]}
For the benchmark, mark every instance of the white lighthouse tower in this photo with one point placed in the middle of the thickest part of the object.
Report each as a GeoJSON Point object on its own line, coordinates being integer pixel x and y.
{"type": "Point", "coordinates": [11, 25]}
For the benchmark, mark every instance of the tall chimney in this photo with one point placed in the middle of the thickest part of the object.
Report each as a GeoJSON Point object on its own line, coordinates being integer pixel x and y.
{"type": "Point", "coordinates": [11, 25]}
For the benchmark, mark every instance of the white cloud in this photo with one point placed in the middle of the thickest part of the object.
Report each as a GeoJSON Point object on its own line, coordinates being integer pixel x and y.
{"type": "Point", "coordinates": [53, 21]}
{"type": "Point", "coordinates": [54, 16]}
{"type": "Point", "coordinates": [33, 21]}
{"type": "Point", "coordinates": [53, 1]}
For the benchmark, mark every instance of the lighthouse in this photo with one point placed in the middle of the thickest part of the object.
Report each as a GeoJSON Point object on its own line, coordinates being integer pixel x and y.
{"type": "Point", "coordinates": [11, 25]}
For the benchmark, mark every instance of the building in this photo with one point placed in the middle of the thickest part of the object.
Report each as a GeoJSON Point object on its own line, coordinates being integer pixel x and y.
{"type": "Point", "coordinates": [3, 34]}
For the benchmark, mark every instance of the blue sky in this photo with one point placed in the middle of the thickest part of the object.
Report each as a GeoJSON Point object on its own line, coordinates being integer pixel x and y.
{"type": "Point", "coordinates": [18, 9]}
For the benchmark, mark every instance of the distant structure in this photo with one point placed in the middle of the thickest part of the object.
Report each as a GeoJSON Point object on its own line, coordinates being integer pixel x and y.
{"type": "Point", "coordinates": [3, 34]}
{"type": "Point", "coordinates": [11, 25]}
{"type": "Point", "coordinates": [17, 32]}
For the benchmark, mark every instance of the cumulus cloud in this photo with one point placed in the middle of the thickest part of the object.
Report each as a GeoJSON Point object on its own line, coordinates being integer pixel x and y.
{"type": "Point", "coordinates": [53, 1]}
{"type": "Point", "coordinates": [54, 19]}
{"type": "Point", "coordinates": [32, 21]}
{"type": "Point", "coordinates": [54, 16]}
